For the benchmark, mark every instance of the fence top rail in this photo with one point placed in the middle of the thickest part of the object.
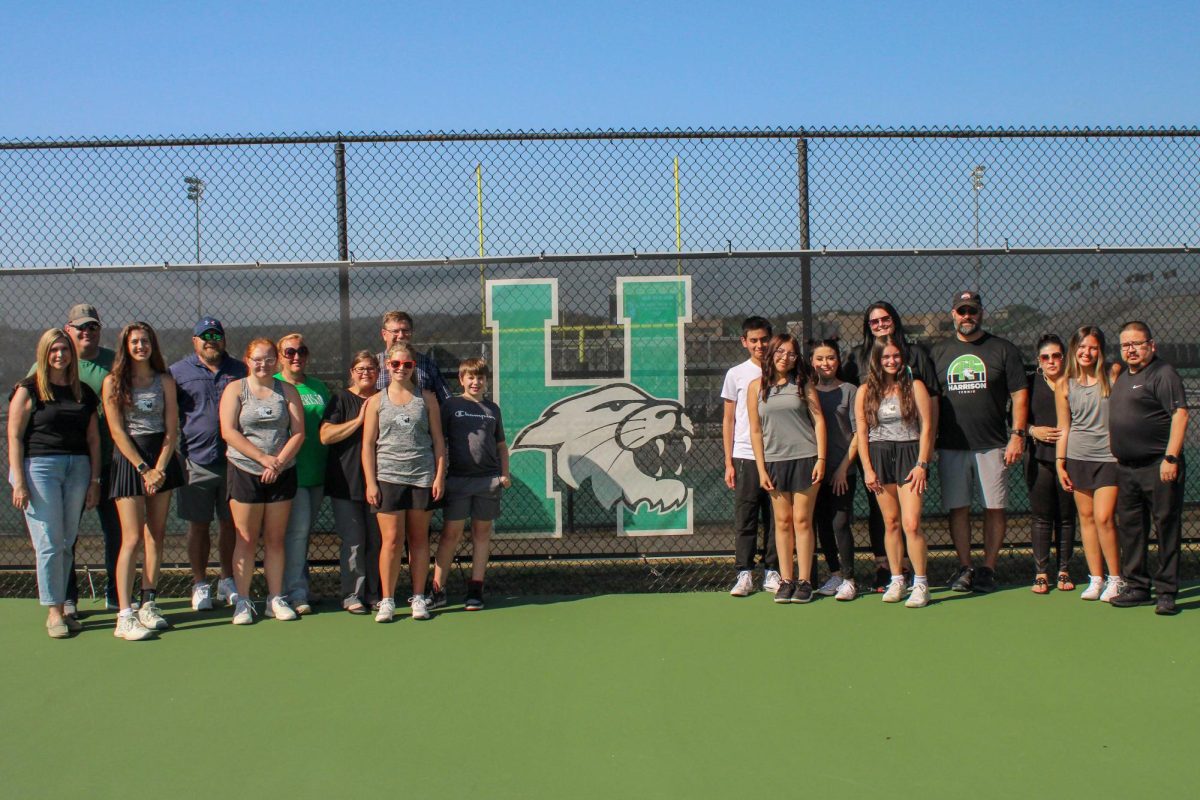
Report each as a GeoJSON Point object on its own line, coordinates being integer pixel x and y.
{"type": "Point", "coordinates": [573, 135]}
{"type": "Point", "coordinates": [566, 258]}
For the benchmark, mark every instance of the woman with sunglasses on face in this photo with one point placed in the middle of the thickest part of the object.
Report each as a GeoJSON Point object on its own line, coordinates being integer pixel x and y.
{"type": "Point", "coordinates": [895, 442]}
{"type": "Point", "coordinates": [834, 511]}
{"type": "Point", "coordinates": [342, 432]}
{"type": "Point", "coordinates": [1051, 507]}
{"type": "Point", "coordinates": [787, 433]}
{"type": "Point", "coordinates": [262, 422]}
{"type": "Point", "coordinates": [143, 416]}
{"type": "Point", "coordinates": [1085, 464]}
{"type": "Point", "coordinates": [882, 319]}
{"type": "Point", "coordinates": [310, 469]}
{"type": "Point", "coordinates": [54, 458]}
{"type": "Point", "coordinates": [404, 466]}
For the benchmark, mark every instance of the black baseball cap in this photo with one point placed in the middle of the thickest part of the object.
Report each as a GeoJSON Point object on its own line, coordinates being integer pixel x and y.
{"type": "Point", "coordinates": [966, 298]}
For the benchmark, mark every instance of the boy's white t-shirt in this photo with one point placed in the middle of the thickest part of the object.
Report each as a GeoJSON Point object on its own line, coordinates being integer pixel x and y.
{"type": "Point", "coordinates": [737, 381]}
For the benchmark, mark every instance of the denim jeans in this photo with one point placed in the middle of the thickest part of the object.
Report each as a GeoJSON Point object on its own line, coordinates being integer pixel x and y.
{"type": "Point", "coordinates": [359, 530]}
{"type": "Point", "coordinates": [57, 489]}
{"type": "Point", "coordinates": [295, 542]}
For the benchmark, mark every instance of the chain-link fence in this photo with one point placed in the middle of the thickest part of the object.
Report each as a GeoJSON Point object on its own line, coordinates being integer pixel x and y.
{"type": "Point", "coordinates": [1056, 228]}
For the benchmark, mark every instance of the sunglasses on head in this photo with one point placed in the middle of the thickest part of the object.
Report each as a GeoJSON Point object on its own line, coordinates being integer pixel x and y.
{"type": "Point", "coordinates": [211, 336]}
{"type": "Point", "coordinates": [292, 352]}
{"type": "Point", "coordinates": [402, 364]}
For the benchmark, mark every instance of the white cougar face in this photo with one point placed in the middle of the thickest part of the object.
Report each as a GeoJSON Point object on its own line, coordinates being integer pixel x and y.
{"type": "Point", "coordinates": [630, 444]}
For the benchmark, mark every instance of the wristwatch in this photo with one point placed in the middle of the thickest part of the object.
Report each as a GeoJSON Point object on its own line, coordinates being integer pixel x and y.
{"type": "Point", "coordinates": [143, 468]}
{"type": "Point", "coordinates": [1017, 432]}
{"type": "Point", "coordinates": [1170, 459]}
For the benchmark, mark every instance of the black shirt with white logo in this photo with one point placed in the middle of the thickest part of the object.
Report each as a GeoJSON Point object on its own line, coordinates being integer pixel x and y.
{"type": "Point", "coordinates": [976, 379]}
{"type": "Point", "coordinates": [1140, 408]}
{"type": "Point", "coordinates": [473, 432]}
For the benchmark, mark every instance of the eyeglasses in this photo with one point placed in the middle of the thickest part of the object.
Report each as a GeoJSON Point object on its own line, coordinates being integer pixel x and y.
{"type": "Point", "coordinates": [1050, 356]}
{"type": "Point", "coordinates": [264, 361]}
{"type": "Point", "coordinates": [398, 331]}
{"type": "Point", "coordinates": [879, 322]}
{"type": "Point", "coordinates": [292, 352]}
{"type": "Point", "coordinates": [1135, 345]}
{"type": "Point", "coordinates": [402, 364]}
{"type": "Point", "coordinates": [87, 327]}
{"type": "Point", "coordinates": [364, 370]}
{"type": "Point", "coordinates": [967, 311]}
{"type": "Point", "coordinates": [211, 336]}
{"type": "Point", "coordinates": [790, 356]}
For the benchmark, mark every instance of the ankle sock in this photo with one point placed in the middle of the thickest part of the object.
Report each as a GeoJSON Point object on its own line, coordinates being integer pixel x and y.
{"type": "Point", "coordinates": [920, 580]}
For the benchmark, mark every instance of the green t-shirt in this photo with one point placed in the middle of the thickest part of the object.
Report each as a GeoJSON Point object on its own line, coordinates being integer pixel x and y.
{"type": "Point", "coordinates": [93, 374]}
{"type": "Point", "coordinates": [310, 463]}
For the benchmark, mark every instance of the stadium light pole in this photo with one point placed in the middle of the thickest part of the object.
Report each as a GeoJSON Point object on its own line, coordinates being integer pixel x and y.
{"type": "Point", "coordinates": [976, 185]}
{"type": "Point", "coordinates": [195, 191]}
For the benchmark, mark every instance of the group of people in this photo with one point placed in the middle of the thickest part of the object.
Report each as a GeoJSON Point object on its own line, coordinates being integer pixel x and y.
{"type": "Point", "coordinates": [1102, 441]}
{"type": "Point", "coordinates": [257, 444]}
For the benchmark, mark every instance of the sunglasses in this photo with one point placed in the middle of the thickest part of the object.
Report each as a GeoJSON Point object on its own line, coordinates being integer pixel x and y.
{"type": "Point", "coordinates": [87, 327]}
{"type": "Point", "coordinates": [402, 364]}
{"type": "Point", "coordinates": [1050, 357]}
{"type": "Point", "coordinates": [966, 311]}
{"type": "Point", "coordinates": [211, 336]}
{"type": "Point", "coordinates": [879, 322]}
{"type": "Point", "coordinates": [292, 352]}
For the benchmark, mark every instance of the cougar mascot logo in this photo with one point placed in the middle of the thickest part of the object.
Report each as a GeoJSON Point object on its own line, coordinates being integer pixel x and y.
{"type": "Point", "coordinates": [630, 444]}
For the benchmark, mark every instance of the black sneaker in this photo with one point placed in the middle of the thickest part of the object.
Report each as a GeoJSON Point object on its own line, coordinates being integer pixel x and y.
{"type": "Point", "coordinates": [984, 581]}
{"type": "Point", "coordinates": [803, 592]}
{"type": "Point", "coordinates": [437, 599]}
{"type": "Point", "coordinates": [785, 591]}
{"type": "Point", "coordinates": [883, 576]}
{"type": "Point", "coordinates": [962, 580]}
{"type": "Point", "coordinates": [474, 601]}
{"type": "Point", "coordinates": [1129, 597]}
{"type": "Point", "coordinates": [1166, 605]}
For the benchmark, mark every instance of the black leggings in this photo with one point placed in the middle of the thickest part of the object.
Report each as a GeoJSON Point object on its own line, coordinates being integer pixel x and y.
{"type": "Point", "coordinates": [832, 516]}
{"type": "Point", "coordinates": [875, 527]}
{"type": "Point", "coordinates": [1053, 511]}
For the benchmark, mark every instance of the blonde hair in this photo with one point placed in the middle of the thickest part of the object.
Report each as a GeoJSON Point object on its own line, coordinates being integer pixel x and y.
{"type": "Point", "coordinates": [48, 340]}
{"type": "Point", "coordinates": [287, 336]}
{"type": "Point", "coordinates": [401, 346]}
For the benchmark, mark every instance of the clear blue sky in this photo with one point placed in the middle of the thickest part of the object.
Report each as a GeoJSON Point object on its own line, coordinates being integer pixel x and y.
{"type": "Point", "coordinates": [72, 69]}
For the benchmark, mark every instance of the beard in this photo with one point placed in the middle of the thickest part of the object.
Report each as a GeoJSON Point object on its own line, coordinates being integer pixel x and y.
{"type": "Point", "coordinates": [210, 356]}
{"type": "Point", "coordinates": [967, 327]}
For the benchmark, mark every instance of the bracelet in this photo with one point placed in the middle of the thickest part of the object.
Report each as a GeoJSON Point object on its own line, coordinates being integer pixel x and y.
{"type": "Point", "coordinates": [1061, 458]}
{"type": "Point", "coordinates": [820, 459]}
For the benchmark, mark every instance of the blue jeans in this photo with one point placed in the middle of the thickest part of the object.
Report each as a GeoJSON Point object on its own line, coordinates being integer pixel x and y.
{"type": "Point", "coordinates": [295, 542]}
{"type": "Point", "coordinates": [57, 489]}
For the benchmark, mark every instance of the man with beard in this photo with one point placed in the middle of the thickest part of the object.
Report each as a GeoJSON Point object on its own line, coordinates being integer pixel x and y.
{"type": "Point", "coordinates": [979, 375]}
{"type": "Point", "coordinates": [201, 378]}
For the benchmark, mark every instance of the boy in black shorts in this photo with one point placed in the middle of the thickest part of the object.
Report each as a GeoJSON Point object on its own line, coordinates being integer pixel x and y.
{"type": "Point", "coordinates": [477, 474]}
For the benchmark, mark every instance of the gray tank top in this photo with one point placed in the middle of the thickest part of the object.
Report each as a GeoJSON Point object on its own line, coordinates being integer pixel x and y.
{"type": "Point", "coordinates": [787, 431]}
{"type": "Point", "coordinates": [266, 423]}
{"type": "Point", "coordinates": [1088, 439]}
{"type": "Point", "coordinates": [892, 427]}
{"type": "Point", "coordinates": [404, 449]}
{"type": "Point", "coordinates": [145, 414]}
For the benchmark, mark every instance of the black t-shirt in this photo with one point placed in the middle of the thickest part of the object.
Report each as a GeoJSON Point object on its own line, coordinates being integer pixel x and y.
{"type": "Point", "coordinates": [1140, 408]}
{"type": "Point", "coordinates": [59, 427]}
{"type": "Point", "coordinates": [917, 358]}
{"type": "Point", "coordinates": [472, 431]}
{"type": "Point", "coordinates": [1042, 411]}
{"type": "Point", "coordinates": [343, 467]}
{"type": "Point", "coordinates": [976, 379]}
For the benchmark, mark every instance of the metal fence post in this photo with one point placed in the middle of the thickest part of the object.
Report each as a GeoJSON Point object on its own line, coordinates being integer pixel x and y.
{"type": "Point", "coordinates": [339, 160]}
{"type": "Point", "coordinates": [805, 244]}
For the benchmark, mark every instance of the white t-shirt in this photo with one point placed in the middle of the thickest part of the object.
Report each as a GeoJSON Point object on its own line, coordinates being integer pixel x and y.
{"type": "Point", "coordinates": [737, 381]}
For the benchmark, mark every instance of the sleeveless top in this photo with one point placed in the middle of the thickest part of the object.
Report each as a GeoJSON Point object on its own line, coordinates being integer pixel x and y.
{"type": "Point", "coordinates": [1088, 439]}
{"type": "Point", "coordinates": [145, 414]}
{"type": "Point", "coordinates": [266, 423]}
{"type": "Point", "coordinates": [891, 426]}
{"type": "Point", "coordinates": [404, 449]}
{"type": "Point", "coordinates": [1042, 411]}
{"type": "Point", "coordinates": [786, 429]}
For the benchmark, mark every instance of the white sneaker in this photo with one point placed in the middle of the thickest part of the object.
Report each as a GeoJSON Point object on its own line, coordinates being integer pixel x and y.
{"type": "Point", "coordinates": [244, 613]}
{"type": "Point", "coordinates": [846, 591]}
{"type": "Point", "coordinates": [1112, 588]}
{"type": "Point", "coordinates": [386, 610]}
{"type": "Point", "coordinates": [201, 597]}
{"type": "Point", "coordinates": [771, 581]}
{"type": "Point", "coordinates": [744, 584]}
{"type": "Point", "coordinates": [227, 591]}
{"type": "Point", "coordinates": [895, 591]}
{"type": "Point", "coordinates": [830, 586]}
{"type": "Point", "coordinates": [149, 616]}
{"type": "Point", "coordinates": [1094, 588]}
{"type": "Point", "coordinates": [278, 608]}
{"type": "Point", "coordinates": [419, 606]}
{"type": "Point", "coordinates": [919, 597]}
{"type": "Point", "coordinates": [131, 629]}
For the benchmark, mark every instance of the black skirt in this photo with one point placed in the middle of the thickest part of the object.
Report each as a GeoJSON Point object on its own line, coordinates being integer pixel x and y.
{"type": "Point", "coordinates": [1091, 475]}
{"type": "Point", "coordinates": [125, 481]}
{"type": "Point", "coordinates": [894, 460]}
{"type": "Point", "coordinates": [793, 475]}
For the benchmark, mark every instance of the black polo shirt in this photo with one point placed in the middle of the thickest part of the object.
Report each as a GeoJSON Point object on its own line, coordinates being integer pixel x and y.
{"type": "Point", "coordinates": [1140, 408]}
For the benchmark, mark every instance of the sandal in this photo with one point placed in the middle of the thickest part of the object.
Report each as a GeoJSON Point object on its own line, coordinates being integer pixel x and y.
{"type": "Point", "coordinates": [1041, 585]}
{"type": "Point", "coordinates": [1064, 582]}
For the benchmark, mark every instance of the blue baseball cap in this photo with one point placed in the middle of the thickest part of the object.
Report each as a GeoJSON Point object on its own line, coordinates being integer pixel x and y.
{"type": "Point", "coordinates": [208, 324]}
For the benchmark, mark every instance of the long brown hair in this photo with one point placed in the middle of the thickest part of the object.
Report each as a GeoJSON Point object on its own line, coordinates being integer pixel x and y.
{"type": "Point", "coordinates": [42, 369]}
{"type": "Point", "coordinates": [798, 373]}
{"type": "Point", "coordinates": [1074, 371]}
{"type": "Point", "coordinates": [876, 387]}
{"type": "Point", "coordinates": [122, 370]}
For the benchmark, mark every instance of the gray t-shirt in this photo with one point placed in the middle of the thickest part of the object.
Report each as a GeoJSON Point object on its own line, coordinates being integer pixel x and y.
{"type": "Point", "coordinates": [1088, 438]}
{"type": "Point", "coordinates": [473, 431]}
{"type": "Point", "coordinates": [404, 448]}
{"type": "Point", "coordinates": [838, 407]}
{"type": "Point", "coordinates": [144, 415]}
{"type": "Point", "coordinates": [787, 431]}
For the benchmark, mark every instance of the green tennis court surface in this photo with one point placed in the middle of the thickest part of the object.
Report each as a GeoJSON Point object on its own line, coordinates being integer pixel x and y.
{"type": "Point", "coordinates": [674, 695]}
